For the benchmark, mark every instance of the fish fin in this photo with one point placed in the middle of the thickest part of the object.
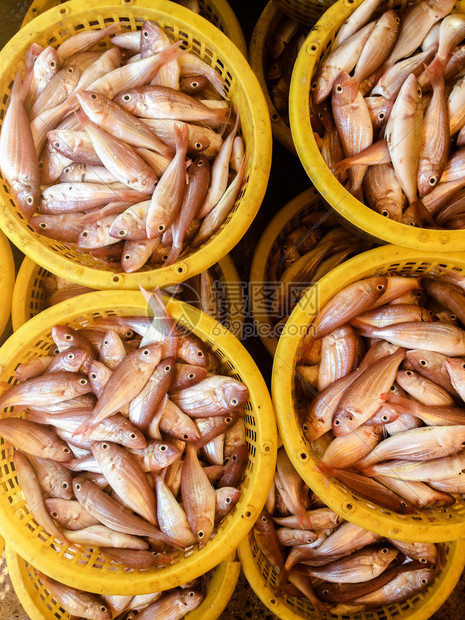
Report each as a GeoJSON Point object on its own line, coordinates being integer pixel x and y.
{"type": "Point", "coordinates": [435, 72]}
{"type": "Point", "coordinates": [341, 166]}
{"type": "Point", "coordinates": [322, 469]}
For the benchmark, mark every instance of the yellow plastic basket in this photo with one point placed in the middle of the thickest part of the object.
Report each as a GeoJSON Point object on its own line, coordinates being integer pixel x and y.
{"type": "Point", "coordinates": [29, 298]}
{"type": "Point", "coordinates": [218, 12]}
{"type": "Point", "coordinates": [39, 604]}
{"type": "Point", "coordinates": [264, 28]}
{"type": "Point", "coordinates": [242, 88]}
{"type": "Point", "coordinates": [90, 570]}
{"type": "Point", "coordinates": [263, 580]}
{"type": "Point", "coordinates": [305, 11]}
{"type": "Point", "coordinates": [435, 525]}
{"type": "Point", "coordinates": [7, 280]}
{"type": "Point", "coordinates": [284, 222]}
{"type": "Point", "coordinates": [355, 215]}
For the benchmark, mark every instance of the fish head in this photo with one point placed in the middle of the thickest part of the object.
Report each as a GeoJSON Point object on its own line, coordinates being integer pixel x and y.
{"type": "Point", "coordinates": [190, 599]}
{"type": "Point", "coordinates": [384, 555]}
{"type": "Point", "coordinates": [379, 109]}
{"type": "Point", "coordinates": [152, 39]}
{"type": "Point", "coordinates": [58, 508]}
{"type": "Point", "coordinates": [226, 499]}
{"type": "Point", "coordinates": [27, 194]}
{"type": "Point", "coordinates": [98, 375]}
{"type": "Point", "coordinates": [91, 102]}
{"type": "Point", "coordinates": [235, 394]}
{"type": "Point", "coordinates": [64, 337]}
{"type": "Point", "coordinates": [200, 167]}
{"type": "Point", "coordinates": [130, 435]}
{"type": "Point", "coordinates": [193, 351]}
{"type": "Point", "coordinates": [47, 64]}
{"type": "Point", "coordinates": [421, 578]}
{"type": "Point", "coordinates": [73, 359]}
{"type": "Point", "coordinates": [413, 94]}
{"type": "Point", "coordinates": [151, 354]}
{"type": "Point", "coordinates": [130, 100]}
{"type": "Point", "coordinates": [193, 84]}
{"type": "Point", "coordinates": [203, 529]}
{"type": "Point", "coordinates": [345, 89]}
{"type": "Point", "coordinates": [122, 225]}
{"type": "Point", "coordinates": [91, 236]}
{"type": "Point", "coordinates": [343, 423]}
{"type": "Point", "coordinates": [81, 488]}
{"type": "Point", "coordinates": [428, 178]}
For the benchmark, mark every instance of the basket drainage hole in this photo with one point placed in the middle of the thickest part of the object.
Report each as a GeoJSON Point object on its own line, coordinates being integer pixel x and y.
{"type": "Point", "coordinates": [303, 456]}
{"type": "Point", "coordinates": [348, 507]}
{"type": "Point", "coordinates": [313, 47]}
{"type": "Point", "coordinates": [63, 10]}
{"type": "Point", "coordinates": [273, 601]}
{"type": "Point", "coordinates": [180, 269]}
{"type": "Point", "coordinates": [115, 278]}
{"type": "Point", "coordinates": [248, 514]}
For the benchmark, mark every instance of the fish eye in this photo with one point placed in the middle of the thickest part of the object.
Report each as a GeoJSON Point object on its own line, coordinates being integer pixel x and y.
{"type": "Point", "coordinates": [385, 418]}
{"type": "Point", "coordinates": [145, 34]}
{"type": "Point", "coordinates": [409, 373]}
{"type": "Point", "coordinates": [70, 356]}
{"type": "Point", "coordinates": [200, 535]}
{"type": "Point", "coordinates": [41, 164]}
{"type": "Point", "coordinates": [105, 446]}
{"type": "Point", "coordinates": [105, 341]}
{"type": "Point", "coordinates": [385, 212]}
{"type": "Point", "coordinates": [228, 420]}
{"type": "Point", "coordinates": [305, 427]}
{"type": "Point", "coordinates": [122, 233]}
{"type": "Point", "coordinates": [452, 317]}
{"type": "Point", "coordinates": [167, 368]}
{"type": "Point", "coordinates": [191, 593]}
{"type": "Point", "coordinates": [422, 362]}
{"type": "Point", "coordinates": [201, 162]}
{"type": "Point", "coordinates": [339, 88]}
{"type": "Point", "coordinates": [54, 514]}
{"type": "Point", "coordinates": [433, 180]}
{"type": "Point", "coordinates": [78, 486]}
{"type": "Point", "coordinates": [68, 337]}
{"type": "Point", "coordinates": [93, 375]}
{"type": "Point", "coordinates": [70, 70]}
{"type": "Point", "coordinates": [83, 381]}
{"type": "Point", "coordinates": [127, 97]}
{"type": "Point", "coordinates": [313, 85]}
{"type": "Point", "coordinates": [336, 422]}
{"type": "Point", "coordinates": [65, 485]}
{"type": "Point", "coordinates": [419, 92]}
{"type": "Point", "coordinates": [227, 500]}
{"type": "Point", "coordinates": [264, 519]}
{"type": "Point", "coordinates": [423, 581]}
{"type": "Point", "coordinates": [67, 170]}
{"type": "Point", "coordinates": [384, 550]}
{"type": "Point", "coordinates": [145, 352]}
{"type": "Point", "coordinates": [52, 64]}
{"type": "Point", "coordinates": [185, 436]}
{"type": "Point", "coordinates": [132, 435]}
{"type": "Point", "coordinates": [381, 116]}
{"type": "Point", "coordinates": [129, 333]}
{"type": "Point", "coordinates": [195, 84]}
{"type": "Point", "coordinates": [198, 145]}
{"type": "Point", "coordinates": [199, 354]}
{"type": "Point", "coordinates": [234, 401]}
{"type": "Point", "coordinates": [325, 592]}
{"type": "Point", "coordinates": [43, 225]}
{"type": "Point", "coordinates": [29, 200]}
{"type": "Point", "coordinates": [103, 608]}
{"type": "Point", "coordinates": [392, 388]}
{"type": "Point", "coordinates": [190, 375]}
{"type": "Point", "coordinates": [161, 227]}
{"type": "Point", "coordinates": [66, 450]}
{"type": "Point", "coordinates": [85, 233]}
{"type": "Point", "coordinates": [55, 352]}
{"type": "Point", "coordinates": [423, 560]}
{"type": "Point", "coordinates": [163, 447]}
{"type": "Point", "coordinates": [380, 287]}
{"type": "Point", "coordinates": [57, 145]}
{"type": "Point", "coordinates": [127, 256]}
{"type": "Point", "coordinates": [93, 96]}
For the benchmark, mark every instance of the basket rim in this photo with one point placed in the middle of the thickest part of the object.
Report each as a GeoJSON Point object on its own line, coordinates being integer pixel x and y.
{"type": "Point", "coordinates": [220, 589]}
{"type": "Point", "coordinates": [7, 280]}
{"type": "Point", "coordinates": [262, 251]}
{"type": "Point", "coordinates": [252, 498]}
{"type": "Point", "coordinates": [28, 267]}
{"type": "Point", "coordinates": [258, 167]}
{"type": "Point", "coordinates": [402, 527]}
{"type": "Point", "coordinates": [354, 212]}
{"type": "Point", "coordinates": [231, 25]}
{"type": "Point", "coordinates": [280, 130]}
{"type": "Point", "coordinates": [439, 591]}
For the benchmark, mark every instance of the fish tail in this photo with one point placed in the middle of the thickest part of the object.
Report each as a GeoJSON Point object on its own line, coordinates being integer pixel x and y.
{"type": "Point", "coordinates": [181, 133]}
{"type": "Point", "coordinates": [341, 166]}
{"type": "Point", "coordinates": [435, 72]}
{"type": "Point", "coordinates": [173, 256]}
{"type": "Point", "coordinates": [84, 428]}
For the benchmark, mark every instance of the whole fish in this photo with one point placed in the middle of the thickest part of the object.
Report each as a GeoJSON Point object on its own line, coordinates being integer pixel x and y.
{"type": "Point", "coordinates": [140, 559]}
{"type": "Point", "coordinates": [200, 140]}
{"type": "Point", "coordinates": [77, 602]}
{"type": "Point", "coordinates": [422, 389]}
{"type": "Point", "coordinates": [405, 585]}
{"type": "Point", "coordinates": [127, 478]}
{"type": "Point", "coordinates": [171, 516]}
{"type": "Point", "coordinates": [290, 485]}
{"type": "Point", "coordinates": [84, 40]}
{"type": "Point", "coordinates": [163, 102]}
{"type": "Point", "coordinates": [345, 451]}
{"type": "Point", "coordinates": [19, 163]}
{"type": "Point", "coordinates": [69, 197]}
{"type": "Point", "coordinates": [366, 394]}
{"type": "Point", "coordinates": [102, 536]}
{"type": "Point", "coordinates": [418, 494]}
{"type": "Point", "coordinates": [265, 535]}
{"type": "Point", "coordinates": [167, 198]}
{"type": "Point", "coordinates": [143, 406]}
{"type": "Point", "coordinates": [432, 469]}
{"type": "Point", "coordinates": [215, 395]}
{"type": "Point", "coordinates": [355, 21]}
{"type": "Point", "coordinates": [383, 192]}
{"type": "Point", "coordinates": [338, 356]}
{"type": "Point", "coordinates": [156, 455]}
{"type": "Point", "coordinates": [34, 495]}
{"type": "Point", "coordinates": [173, 605]}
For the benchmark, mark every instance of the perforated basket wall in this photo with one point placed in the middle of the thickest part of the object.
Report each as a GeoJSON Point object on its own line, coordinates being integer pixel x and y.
{"type": "Point", "coordinates": [306, 11]}
{"type": "Point", "coordinates": [29, 298]}
{"type": "Point", "coordinates": [89, 569]}
{"type": "Point", "coordinates": [354, 215]}
{"type": "Point", "coordinates": [434, 525]}
{"type": "Point", "coordinates": [39, 604]}
{"type": "Point", "coordinates": [242, 87]}
{"type": "Point", "coordinates": [218, 12]}
{"type": "Point", "coordinates": [261, 35]}
{"type": "Point", "coordinates": [284, 222]}
{"type": "Point", "coordinates": [263, 579]}
{"type": "Point", "coordinates": [7, 280]}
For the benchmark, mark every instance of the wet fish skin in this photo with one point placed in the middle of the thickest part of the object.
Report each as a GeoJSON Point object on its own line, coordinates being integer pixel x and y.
{"type": "Point", "coordinates": [172, 518]}
{"type": "Point", "coordinates": [140, 559]}
{"type": "Point", "coordinates": [266, 538]}
{"type": "Point", "coordinates": [77, 602]}
{"type": "Point", "coordinates": [54, 478]}
{"type": "Point", "coordinates": [69, 513]}
{"type": "Point", "coordinates": [102, 536]}
{"type": "Point", "coordinates": [215, 395]}
{"type": "Point", "coordinates": [35, 439]}
{"type": "Point", "coordinates": [156, 455]}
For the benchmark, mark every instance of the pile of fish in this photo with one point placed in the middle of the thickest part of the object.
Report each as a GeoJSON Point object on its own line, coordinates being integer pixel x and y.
{"type": "Point", "coordinates": [130, 153]}
{"type": "Point", "coordinates": [301, 255]}
{"type": "Point", "coordinates": [171, 604]}
{"type": "Point", "coordinates": [130, 438]}
{"type": "Point", "coordinates": [389, 111]}
{"type": "Point", "coordinates": [382, 371]}
{"type": "Point", "coordinates": [338, 566]}
{"type": "Point", "coordinates": [281, 48]}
